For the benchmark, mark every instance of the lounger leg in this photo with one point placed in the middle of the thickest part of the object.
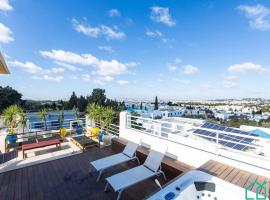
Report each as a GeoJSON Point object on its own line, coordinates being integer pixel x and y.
{"type": "Point", "coordinates": [106, 187]}
{"type": "Point", "coordinates": [163, 174]}
{"type": "Point", "coordinates": [99, 175]}
{"type": "Point", "coordinates": [137, 160]}
{"type": "Point", "coordinates": [119, 194]}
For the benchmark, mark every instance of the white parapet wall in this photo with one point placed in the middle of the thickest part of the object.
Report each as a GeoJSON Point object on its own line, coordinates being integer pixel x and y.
{"type": "Point", "coordinates": [187, 151]}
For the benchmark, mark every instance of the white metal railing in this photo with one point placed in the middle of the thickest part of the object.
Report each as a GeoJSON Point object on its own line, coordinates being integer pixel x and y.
{"type": "Point", "coordinates": [54, 124]}
{"type": "Point", "coordinates": [220, 140]}
{"type": "Point", "coordinates": [112, 129]}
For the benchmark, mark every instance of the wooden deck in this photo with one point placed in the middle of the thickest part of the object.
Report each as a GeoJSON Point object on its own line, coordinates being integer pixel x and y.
{"type": "Point", "coordinates": [69, 178]}
{"type": "Point", "coordinates": [233, 175]}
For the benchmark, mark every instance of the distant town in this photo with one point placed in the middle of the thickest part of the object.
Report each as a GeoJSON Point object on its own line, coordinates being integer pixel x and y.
{"type": "Point", "coordinates": [230, 112]}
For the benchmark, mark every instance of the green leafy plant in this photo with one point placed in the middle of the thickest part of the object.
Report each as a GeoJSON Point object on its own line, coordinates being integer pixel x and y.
{"type": "Point", "coordinates": [61, 117]}
{"type": "Point", "coordinates": [107, 117]}
{"type": "Point", "coordinates": [43, 114]}
{"type": "Point", "coordinates": [94, 112]}
{"type": "Point", "coordinates": [11, 116]}
{"type": "Point", "coordinates": [22, 119]}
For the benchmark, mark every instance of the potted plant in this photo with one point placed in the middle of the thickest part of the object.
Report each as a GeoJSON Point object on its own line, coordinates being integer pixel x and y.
{"type": "Point", "coordinates": [10, 117]}
{"type": "Point", "coordinates": [107, 118]}
{"type": "Point", "coordinates": [79, 129]}
{"type": "Point", "coordinates": [43, 116]}
{"type": "Point", "coordinates": [63, 131]}
{"type": "Point", "coordinates": [94, 112]}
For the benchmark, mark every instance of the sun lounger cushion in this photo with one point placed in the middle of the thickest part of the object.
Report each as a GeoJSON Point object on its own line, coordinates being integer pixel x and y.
{"type": "Point", "coordinates": [153, 160]}
{"type": "Point", "coordinates": [130, 149]}
{"type": "Point", "coordinates": [129, 177]}
{"type": "Point", "coordinates": [110, 161]}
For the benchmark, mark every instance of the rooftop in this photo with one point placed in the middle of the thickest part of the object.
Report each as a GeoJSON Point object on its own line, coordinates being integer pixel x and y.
{"type": "Point", "coordinates": [66, 179]}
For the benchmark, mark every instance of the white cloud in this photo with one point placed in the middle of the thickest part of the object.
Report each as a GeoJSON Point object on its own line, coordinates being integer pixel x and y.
{"type": "Point", "coordinates": [113, 13]}
{"type": "Point", "coordinates": [258, 15]}
{"type": "Point", "coordinates": [189, 69]}
{"type": "Point", "coordinates": [187, 82]}
{"type": "Point", "coordinates": [5, 34]}
{"type": "Point", "coordinates": [54, 70]}
{"type": "Point", "coordinates": [246, 67]}
{"type": "Point", "coordinates": [48, 78]}
{"type": "Point", "coordinates": [158, 35]}
{"type": "Point", "coordinates": [101, 30]}
{"type": "Point", "coordinates": [229, 82]}
{"type": "Point", "coordinates": [73, 77]}
{"type": "Point", "coordinates": [173, 68]}
{"type": "Point", "coordinates": [106, 48]}
{"type": "Point", "coordinates": [132, 64]}
{"type": "Point", "coordinates": [68, 66]}
{"type": "Point", "coordinates": [35, 69]}
{"type": "Point", "coordinates": [27, 66]}
{"type": "Point", "coordinates": [107, 78]}
{"type": "Point", "coordinates": [162, 15]}
{"type": "Point", "coordinates": [122, 82]}
{"type": "Point", "coordinates": [154, 34]}
{"type": "Point", "coordinates": [177, 60]}
{"type": "Point", "coordinates": [5, 6]}
{"type": "Point", "coordinates": [102, 67]}
{"type": "Point", "coordinates": [86, 77]}
{"type": "Point", "coordinates": [206, 86]}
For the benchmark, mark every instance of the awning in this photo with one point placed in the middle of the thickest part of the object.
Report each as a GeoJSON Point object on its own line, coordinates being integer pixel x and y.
{"type": "Point", "coordinates": [3, 65]}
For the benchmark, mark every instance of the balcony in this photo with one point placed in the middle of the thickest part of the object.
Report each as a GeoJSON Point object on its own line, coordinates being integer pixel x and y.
{"type": "Point", "coordinates": [66, 179]}
{"type": "Point", "coordinates": [61, 177]}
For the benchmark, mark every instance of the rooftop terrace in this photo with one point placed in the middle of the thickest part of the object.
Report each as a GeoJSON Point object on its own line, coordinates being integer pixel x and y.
{"type": "Point", "coordinates": [69, 178]}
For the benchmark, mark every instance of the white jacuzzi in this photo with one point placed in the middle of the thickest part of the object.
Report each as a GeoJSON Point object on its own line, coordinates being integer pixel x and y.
{"type": "Point", "coordinates": [196, 185]}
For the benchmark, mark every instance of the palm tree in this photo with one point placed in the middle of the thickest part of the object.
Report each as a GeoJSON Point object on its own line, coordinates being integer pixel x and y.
{"type": "Point", "coordinates": [43, 116]}
{"type": "Point", "coordinates": [91, 111]}
{"type": "Point", "coordinates": [60, 117]}
{"type": "Point", "coordinates": [10, 116]}
{"type": "Point", "coordinates": [22, 118]}
{"type": "Point", "coordinates": [76, 112]}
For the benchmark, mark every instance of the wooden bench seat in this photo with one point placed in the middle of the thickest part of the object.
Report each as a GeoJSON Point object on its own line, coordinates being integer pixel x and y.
{"type": "Point", "coordinates": [36, 145]}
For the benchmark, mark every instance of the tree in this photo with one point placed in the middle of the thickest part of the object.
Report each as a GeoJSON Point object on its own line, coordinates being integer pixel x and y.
{"type": "Point", "coordinates": [82, 103]}
{"type": "Point", "coordinates": [170, 103]}
{"type": "Point", "coordinates": [98, 97]}
{"type": "Point", "coordinates": [76, 112]}
{"type": "Point", "coordinates": [10, 116]}
{"type": "Point", "coordinates": [53, 106]}
{"type": "Point", "coordinates": [107, 117]}
{"type": "Point", "coordinates": [22, 118]}
{"type": "Point", "coordinates": [141, 106]}
{"type": "Point", "coordinates": [8, 97]}
{"type": "Point", "coordinates": [73, 101]}
{"type": "Point", "coordinates": [156, 104]}
{"type": "Point", "coordinates": [43, 116]}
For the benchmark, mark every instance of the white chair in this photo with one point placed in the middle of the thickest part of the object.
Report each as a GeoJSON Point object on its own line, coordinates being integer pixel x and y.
{"type": "Point", "coordinates": [128, 154]}
{"type": "Point", "coordinates": [150, 168]}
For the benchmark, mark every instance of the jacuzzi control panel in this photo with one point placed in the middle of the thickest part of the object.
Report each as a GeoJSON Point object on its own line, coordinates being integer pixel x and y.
{"type": "Point", "coordinates": [171, 191]}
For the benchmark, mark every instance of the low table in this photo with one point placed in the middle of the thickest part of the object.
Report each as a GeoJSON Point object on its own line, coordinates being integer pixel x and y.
{"type": "Point", "coordinates": [84, 142]}
{"type": "Point", "coordinates": [36, 145]}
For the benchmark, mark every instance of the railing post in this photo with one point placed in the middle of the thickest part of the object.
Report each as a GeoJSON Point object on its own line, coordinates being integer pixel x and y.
{"type": "Point", "coordinates": [217, 143]}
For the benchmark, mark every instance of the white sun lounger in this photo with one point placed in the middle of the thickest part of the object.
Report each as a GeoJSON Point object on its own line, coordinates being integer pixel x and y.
{"type": "Point", "coordinates": [150, 168]}
{"type": "Point", "coordinates": [129, 153]}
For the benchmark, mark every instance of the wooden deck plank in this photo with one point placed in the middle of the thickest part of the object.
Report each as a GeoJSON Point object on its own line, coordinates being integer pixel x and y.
{"type": "Point", "coordinates": [69, 178]}
{"type": "Point", "coordinates": [231, 174]}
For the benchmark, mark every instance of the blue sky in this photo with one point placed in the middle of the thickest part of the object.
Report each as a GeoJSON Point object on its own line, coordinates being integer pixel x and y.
{"type": "Point", "coordinates": [137, 49]}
